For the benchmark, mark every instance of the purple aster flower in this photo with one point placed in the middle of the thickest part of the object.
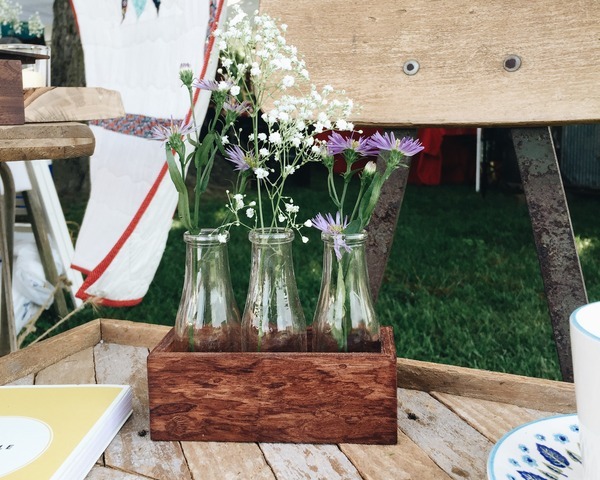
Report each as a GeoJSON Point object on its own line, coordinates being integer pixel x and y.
{"type": "Point", "coordinates": [232, 105]}
{"type": "Point", "coordinates": [166, 134]}
{"type": "Point", "coordinates": [337, 143]}
{"type": "Point", "coordinates": [407, 146]}
{"type": "Point", "coordinates": [335, 228]}
{"type": "Point", "coordinates": [238, 157]}
{"type": "Point", "coordinates": [212, 85]}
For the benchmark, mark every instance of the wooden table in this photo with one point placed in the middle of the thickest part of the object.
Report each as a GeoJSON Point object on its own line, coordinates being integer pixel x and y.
{"type": "Point", "coordinates": [448, 417]}
{"type": "Point", "coordinates": [31, 142]}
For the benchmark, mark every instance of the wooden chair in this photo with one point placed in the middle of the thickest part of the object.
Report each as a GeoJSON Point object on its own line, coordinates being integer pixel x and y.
{"type": "Point", "coordinates": [523, 65]}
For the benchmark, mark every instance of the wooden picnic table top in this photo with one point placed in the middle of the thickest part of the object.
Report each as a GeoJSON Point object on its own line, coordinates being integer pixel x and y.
{"type": "Point", "coordinates": [449, 417]}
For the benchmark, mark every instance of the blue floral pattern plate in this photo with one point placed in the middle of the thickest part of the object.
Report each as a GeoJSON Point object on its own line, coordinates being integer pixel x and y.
{"type": "Point", "coordinates": [546, 449]}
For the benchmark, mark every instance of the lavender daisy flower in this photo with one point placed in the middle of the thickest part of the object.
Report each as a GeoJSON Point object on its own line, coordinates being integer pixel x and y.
{"type": "Point", "coordinates": [204, 84]}
{"type": "Point", "coordinates": [232, 105]}
{"type": "Point", "coordinates": [407, 146]}
{"type": "Point", "coordinates": [337, 143]}
{"type": "Point", "coordinates": [335, 228]}
{"type": "Point", "coordinates": [238, 157]}
{"type": "Point", "coordinates": [173, 132]}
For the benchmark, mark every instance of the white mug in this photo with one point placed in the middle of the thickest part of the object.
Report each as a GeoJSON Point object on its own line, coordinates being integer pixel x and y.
{"type": "Point", "coordinates": [585, 347]}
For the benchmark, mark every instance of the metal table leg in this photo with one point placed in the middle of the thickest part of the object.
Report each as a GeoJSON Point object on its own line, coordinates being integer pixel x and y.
{"type": "Point", "coordinates": [8, 337]}
{"type": "Point", "coordinates": [384, 221]}
{"type": "Point", "coordinates": [553, 233]}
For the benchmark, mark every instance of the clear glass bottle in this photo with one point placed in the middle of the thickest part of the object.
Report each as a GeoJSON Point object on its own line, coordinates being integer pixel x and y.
{"type": "Point", "coordinates": [208, 319]}
{"type": "Point", "coordinates": [273, 320]}
{"type": "Point", "coordinates": [345, 319]}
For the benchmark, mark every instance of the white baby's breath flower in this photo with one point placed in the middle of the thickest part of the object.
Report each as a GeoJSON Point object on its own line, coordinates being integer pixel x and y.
{"type": "Point", "coordinates": [255, 70]}
{"type": "Point", "coordinates": [308, 224]}
{"type": "Point", "coordinates": [291, 208]}
{"type": "Point", "coordinates": [239, 201]}
{"type": "Point", "coordinates": [261, 173]}
{"type": "Point", "coordinates": [251, 137]}
{"type": "Point", "coordinates": [304, 239]}
{"type": "Point", "coordinates": [275, 138]}
{"type": "Point", "coordinates": [264, 152]}
{"type": "Point", "coordinates": [222, 238]}
{"type": "Point", "coordinates": [227, 62]}
{"type": "Point", "coordinates": [250, 212]}
{"type": "Point", "coordinates": [288, 81]}
{"type": "Point", "coordinates": [223, 86]}
{"type": "Point", "coordinates": [225, 140]}
{"type": "Point", "coordinates": [235, 90]}
{"type": "Point", "coordinates": [281, 218]}
{"type": "Point", "coordinates": [261, 136]}
{"type": "Point", "coordinates": [252, 203]}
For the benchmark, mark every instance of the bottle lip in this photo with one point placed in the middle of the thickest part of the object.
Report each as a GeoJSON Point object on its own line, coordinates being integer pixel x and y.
{"type": "Point", "coordinates": [271, 236]}
{"type": "Point", "coordinates": [348, 238]}
{"type": "Point", "coordinates": [208, 236]}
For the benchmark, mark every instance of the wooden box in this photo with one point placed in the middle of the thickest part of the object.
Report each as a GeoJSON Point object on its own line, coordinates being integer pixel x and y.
{"type": "Point", "coordinates": [274, 397]}
{"type": "Point", "coordinates": [12, 105]}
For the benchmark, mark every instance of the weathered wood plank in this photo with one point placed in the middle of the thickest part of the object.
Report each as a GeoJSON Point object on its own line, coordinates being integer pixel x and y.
{"type": "Point", "coordinates": [68, 104]}
{"type": "Point", "coordinates": [74, 369]}
{"type": "Point", "coordinates": [103, 473]}
{"type": "Point", "coordinates": [54, 141]}
{"type": "Point", "coordinates": [132, 450]}
{"type": "Point", "coordinates": [492, 419]}
{"type": "Point", "coordinates": [26, 380]}
{"type": "Point", "coordinates": [461, 47]}
{"type": "Point", "coordinates": [40, 355]}
{"type": "Point", "coordinates": [226, 461]}
{"type": "Point", "coordinates": [536, 393]}
{"type": "Point", "coordinates": [459, 449]}
{"type": "Point", "coordinates": [306, 461]}
{"type": "Point", "coordinates": [405, 461]}
{"type": "Point", "coordinates": [134, 334]}
{"type": "Point", "coordinates": [11, 93]}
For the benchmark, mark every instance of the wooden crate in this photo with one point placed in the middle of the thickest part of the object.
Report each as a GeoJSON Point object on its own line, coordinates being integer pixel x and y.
{"type": "Point", "coordinates": [274, 397]}
{"type": "Point", "coordinates": [12, 105]}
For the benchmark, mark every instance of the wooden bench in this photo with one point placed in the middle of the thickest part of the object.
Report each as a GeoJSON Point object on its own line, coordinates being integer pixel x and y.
{"type": "Point", "coordinates": [448, 63]}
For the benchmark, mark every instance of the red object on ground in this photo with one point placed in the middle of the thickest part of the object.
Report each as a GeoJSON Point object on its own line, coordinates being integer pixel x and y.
{"type": "Point", "coordinates": [448, 156]}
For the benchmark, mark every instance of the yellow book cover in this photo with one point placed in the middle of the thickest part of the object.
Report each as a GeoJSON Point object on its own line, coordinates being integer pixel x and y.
{"type": "Point", "coordinates": [58, 431]}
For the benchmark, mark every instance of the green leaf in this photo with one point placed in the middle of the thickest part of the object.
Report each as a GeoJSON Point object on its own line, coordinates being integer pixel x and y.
{"type": "Point", "coordinates": [176, 175]}
{"type": "Point", "coordinates": [183, 208]}
{"type": "Point", "coordinates": [203, 152]}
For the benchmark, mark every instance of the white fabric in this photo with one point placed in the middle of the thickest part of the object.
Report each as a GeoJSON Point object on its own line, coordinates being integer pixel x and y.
{"type": "Point", "coordinates": [20, 177]}
{"type": "Point", "coordinates": [30, 289]}
{"type": "Point", "coordinates": [139, 57]}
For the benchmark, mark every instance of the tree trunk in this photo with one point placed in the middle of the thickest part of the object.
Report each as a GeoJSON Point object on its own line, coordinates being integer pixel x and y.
{"type": "Point", "coordinates": [71, 177]}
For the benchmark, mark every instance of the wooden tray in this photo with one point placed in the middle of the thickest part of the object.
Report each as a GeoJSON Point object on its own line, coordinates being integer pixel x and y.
{"type": "Point", "coordinates": [273, 397]}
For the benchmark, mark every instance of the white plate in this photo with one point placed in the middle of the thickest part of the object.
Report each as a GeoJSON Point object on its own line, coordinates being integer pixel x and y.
{"type": "Point", "coordinates": [539, 450]}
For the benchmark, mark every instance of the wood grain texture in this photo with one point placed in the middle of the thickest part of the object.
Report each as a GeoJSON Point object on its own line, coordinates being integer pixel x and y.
{"type": "Point", "coordinates": [461, 46]}
{"type": "Point", "coordinates": [404, 461]}
{"type": "Point", "coordinates": [74, 369]}
{"type": "Point", "coordinates": [536, 393]}
{"type": "Point", "coordinates": [492, 419]}
{"type": "Point", "coordinates": [310, 462]}
{"type": "Point", "coordinates": [459, 449]}
{"type": "Point", "coordinates": [273, 397]}
{"type": "Point", "coordinates": [132, 450]}
{"type": "Point", "coordinates": [26, 380]}
{"type": "Point", "coordinates": [103, 473]}
{"type": "Point", "coordinates": [134, 334]}
{"type": "Point", "coordinates": [53, 141]}
{"type": "Point", "coordinates": [71, 104]}
{"type": "Point", "coordinates": [226, 461]}
{"type": "Point", "coordinates": [11, 93]}
{"type": "Point", "coordinates": [36, 357]}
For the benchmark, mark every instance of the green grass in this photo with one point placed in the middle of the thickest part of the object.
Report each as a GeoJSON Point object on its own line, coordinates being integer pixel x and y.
{"type": "Point", "coordinates": [462, 287]}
